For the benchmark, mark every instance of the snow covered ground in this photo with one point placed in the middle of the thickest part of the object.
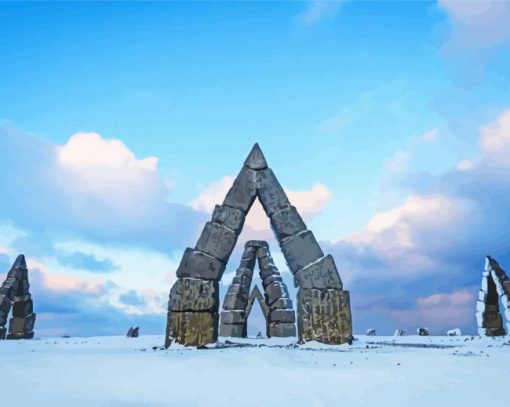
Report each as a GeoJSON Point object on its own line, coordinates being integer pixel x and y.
{"type": "Point", "coordinates": [374, 371]}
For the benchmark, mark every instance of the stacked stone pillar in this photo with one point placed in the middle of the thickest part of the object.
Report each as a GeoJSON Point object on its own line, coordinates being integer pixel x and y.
{"type": "Point", "coordinates": [323, 306]}
{"type": "Point", "coordinates": [277, 305]}
{"type": "Point", "coordinates": [495, 288]}
{"type": "Point", "coordinates": [15, 294]}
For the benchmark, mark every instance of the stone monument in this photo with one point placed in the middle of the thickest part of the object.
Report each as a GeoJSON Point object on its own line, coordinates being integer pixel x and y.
{"type": "Point", "coordinates": [323, 307]}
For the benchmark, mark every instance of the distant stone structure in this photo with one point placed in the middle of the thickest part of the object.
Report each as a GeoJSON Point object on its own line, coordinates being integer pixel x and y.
{"type": "Point", "coordinates": [422, 331]}
{"type": "Point", "coordinates": [133, 332]}
{"type": "Point", "coordinates": [370, 332]}
{"type": "Point", "coordinates": [323, 307]}
{"type": "Point", "coordinates": [15, 294]}
{"type": "Point", "coordinates": [495, 287]}
{"type": "Point", "coordinates": [276, 304]}
{"type": "Point", "coordinates": [454, 332]}
{"type": "Point", "coordinates": [399, 332]}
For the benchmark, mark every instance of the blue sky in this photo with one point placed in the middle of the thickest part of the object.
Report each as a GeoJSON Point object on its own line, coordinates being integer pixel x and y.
{"type": "Point", "coordinates": [122, 124]}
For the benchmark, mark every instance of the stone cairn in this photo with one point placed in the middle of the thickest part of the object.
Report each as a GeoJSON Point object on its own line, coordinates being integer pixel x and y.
{"type": "Point", "coordinates": [276, 304]}
{"type": "Point", "coordinates": [323, 306]}
{"type": "Point", "coordinates": [495, 287]}
{"type": "Point", "coordinates": [133, 332]}
{"type": "Point", "coordinates": [15, 293]}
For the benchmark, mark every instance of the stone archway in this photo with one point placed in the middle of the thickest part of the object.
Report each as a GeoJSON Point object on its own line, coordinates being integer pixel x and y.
{"type": "Point", "coordinates": [495, 287]}
{"type": "Point", "coordinates": [276, 304]}
{"type": "Point", "coordinates": [15, 294]}
{"type": "Point", "coordinates": [323, 312]}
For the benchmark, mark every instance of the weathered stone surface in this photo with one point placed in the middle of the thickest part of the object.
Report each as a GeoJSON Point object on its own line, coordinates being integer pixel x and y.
{"type": "Point", "coordinates": [244, 280]}
{"type": "Point", "coordinates": [217, 241]}
{"type": "Point", "coordinates": [133, 332]}
{"type": "Point", "coordinates": [399, 332]}
{"type": "Point", "coordinates": [275, 291]}
{"type": "Point", "coordinates": [480, 306]}
{"type": "Point", "coordinates": [233, 317]}
{"type": "Point", "coordinates": [324, 316]}
{"type": "Point", "coordinates": [282, 315]}
{"type": "Point", "coordinates": [268, 271]}
{"type": "Point", "coordinates": [263, 251]}
{"type": "Point", "coordinates": [3, 332]}
{"type": "Point", "coordinates": [20, 325]}
{"type": "Point", "coordinates": [230, 217]}
{"type": "Point", "coordinates": [248, 263]}
{"type": "Point", "coordinates": [281, 303]}
{"type": "Point", "coordinates": [235, 301]}
{"type": "Point", "coordinates": [197, 264]}
{"type": "Point", "coordinates": [286, 223]}
{"type": "Point", "coordinates": [233, 330]}
{"type": "Point", "coordinates": [271, 279]}
{"type": "Point", "coordinates": [22, 308]}
{"type": "Point", "coordinates": [482, 296]}
{"type": "Point", "coordinates": [271, 194]}
{"type": "Point", "coordinates": [422, 332]}
{"type": "Point", "coordinates": [301, 250]}
{"type": "Point", "coordinates": [265, 262]}
{"type": "Point", "coordinates": [321, 274]}
{"type": "Point", "coordinates": [237, 289]}
{"type": "Point", "coordinates": [192, 328]}
{"type": "Point", "coordinates": [281, 330]}
{"type": "Point", "coordinates": [256, 244]}
{"type": "Point", "coordinates": [191, 294]}
{"type": "Point", "coordinates": [256, 159]}
{"type": "Point", "coordinates": [454, 332]}
{"type": "Point", "coordinates": [244, 190]}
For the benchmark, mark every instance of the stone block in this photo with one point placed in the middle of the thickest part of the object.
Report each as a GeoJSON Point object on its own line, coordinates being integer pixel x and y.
{"type": "Point", "coordinates": [286, 223]}
{"type": "Point", "coordinates": [282, 315]}
{"type": "Point", "coordinates": [281, 330]}
{"type": "Point", "coordinates": [301, 250]}
{"type": "Point", "coordinates": [5, 304]}
{"type": "Point", "coordinates": [480, 306]}
{"type": "Point", "coordinates": [482, 296]}
{"type": "Point", "coordinates": [22, 308]}
{"type": "Point", "coordinates": [191, 294]}
{"type": "Point", "coordinates": [244, 281]}
{"type": "Point", "coordinates": [256, 159]}
{"type": "Point", "coordinates": [492, 320]}
{"type": "Point", "coordinates": [197, 264]}
{"type": "Point", "coordinates": [29, 323]}
{"type": "Point", "coordinates": [235, 301]}
{"type": "Point", "coordinates": [271, 279]}
{"type": "Point", "coordinates": [244, 190]}
{"type": "Point", "coordinates": [237, 289]}
{"type": "Point", "coordinates": [485, 284]}
{"type": "Point", "coordinates": [506, 287]}
{"type": "Point", "coordinates": [324, 316]}
{"type": "Point", "coordinates": [479, 319]}
{"type": "Point", "coordinates": [275, 291]}
{"type": "Point", "coordinates": [265, 262]}
{"type": "Point", "coordinates": [233, 330]}
{"type": "Point", "coordinates": [217, 241]}
{"type": "Point", "coordinates": [192, 328]}
{"type": "Point", "coordinates": [271, 194]}
{"type": "Point", "coordinates": [281, 303]}
{"type": "Point", "coordinates": [248, 263]}
{"type": "Point", "coordinates": [268, 271]}
{"type": "Point", "coordinates": [232, 218]}
{"type": "Point", "coordinates": [233, 317]}
{"type": "Point", "coordinates": [256, 244]}
{"type": "Point", "coordinates": [3, 332]}
{"type": "Point", "coordinates": [321, 274]}
{"type": "Point", "coordinates": [16, 325]}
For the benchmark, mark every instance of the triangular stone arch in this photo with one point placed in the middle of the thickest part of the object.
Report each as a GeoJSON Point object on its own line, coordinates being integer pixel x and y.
{"type": "Point", "coordinates": [495, 287]}
{"type": "Point", "coordinates": [323, 307]}
{"type": "Point", "coordinates": [15, 294]}
{"type": "Point", "coordinates": [276, 303]}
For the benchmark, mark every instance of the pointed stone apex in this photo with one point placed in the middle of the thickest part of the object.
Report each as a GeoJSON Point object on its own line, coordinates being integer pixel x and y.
{"type": "Point", "coordinates": [20, 263]}
{"type": "Point", "coordinates": [256, 159]}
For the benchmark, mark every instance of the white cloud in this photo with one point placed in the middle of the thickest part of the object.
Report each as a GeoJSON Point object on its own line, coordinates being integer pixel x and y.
{"type": "Point", "coordinates": [464, 165]}
{"type": "Point", "coordinates": [496, 138]}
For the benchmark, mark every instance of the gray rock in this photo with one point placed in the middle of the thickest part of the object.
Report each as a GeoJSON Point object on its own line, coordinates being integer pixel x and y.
{"type": "Point", "coordinates": [274, 292]}
{"type": "Point", "coordinates": [256, 159]}
{"type": "Point", "coordinates": [281, 330]}
{"type": "Point", "coordinates": [301, 250]}
{"type": "Point", "coordinates": [197, 264]}
{"type": "Point", "coordinates": [244, 190]}
{"type": "Point", "coordinates": [286, 223]}
{"type": "Point", "coordinates": [281, 303]}
{"type": "Point", "coordinates": [271, 194]}
{"type": "Point", "coordinates": [370, 332]}
{"type": "Point", "coordinates": [235, 301]}
{"type": "Point", "coordinates": [268, 271]}
{"type": "Point", "coordinates": [233, 317]}
{"type": "Point", "coordinates": [230, 217]}
{"type": "Point", "coordinates": [233, 330]}
{"type": "Point", "coordinates": [22, 308]}
{"type": "Point", "coordinates": [271, 279]}
{"type": "Point", "coordinates": [256, 244]}
{"type": "Point", "coordinates": [263, 251]}
{"type": "Point", "coordinates": [191, 294]}
{"type": "Point", "coordinates": [282, 315]}
{"type": "Point", "coordinates": [237, 289]}
{"type": "Point", "coordinates": [422, 331]}
{"type": "Point", "coordinates": [321, 274]}
{"type": "Point", "coordinates": [217, 241]}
